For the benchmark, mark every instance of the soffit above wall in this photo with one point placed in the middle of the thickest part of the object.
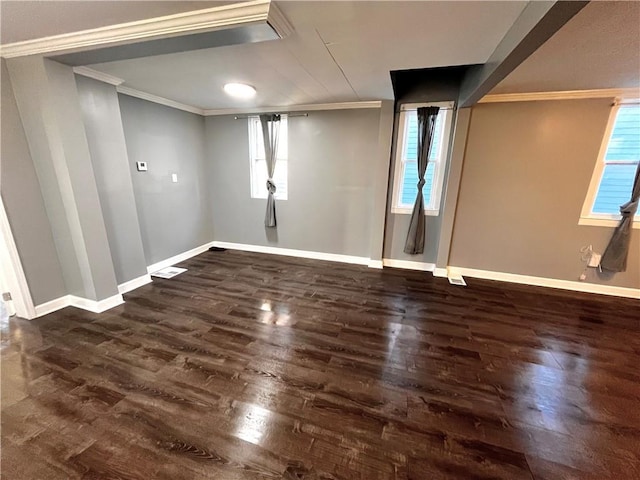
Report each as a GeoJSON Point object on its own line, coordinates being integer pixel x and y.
{"type": "Point", "coordinates": [598, 49]}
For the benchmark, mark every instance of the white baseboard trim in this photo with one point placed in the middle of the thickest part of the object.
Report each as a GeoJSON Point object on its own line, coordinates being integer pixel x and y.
{"type": "Point", "coordinates": [126, 287]}
{"type": "Point", "coordinates": [95, 306]}
{"type": "Point", "coordinates": [408, 264]}
{"type": "Point", "coordinates": [52, 306]}
{"type": "Point", "coordinates": [440, 272]}
{"type": "Point", "coordinates": [375, 264]}
{"type": "Point", "coordinates": [181, 257]}
{"type": "Point", "coordinates": [288, 252]}
{"type": "Point", "coordinates": [548, 282]}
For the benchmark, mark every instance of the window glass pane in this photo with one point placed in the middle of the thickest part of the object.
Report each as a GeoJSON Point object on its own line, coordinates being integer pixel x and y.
{"type": "Point", "coordinates": [410, 184]}
{"type": "Point", "coordinates": [259, 165]}
{"type": "Point", "coordinates": [411, 148]}
{"type": "Point", "coordinates": [260, 179]}
{"type": "Point", "coordinates": [280, 177]}
{"type": "Point", "coordinates": [615, 187]}
{"type": "Point", "coordinates": [625, 138]}
{"type": "Point", "coordinates": [283, 140]}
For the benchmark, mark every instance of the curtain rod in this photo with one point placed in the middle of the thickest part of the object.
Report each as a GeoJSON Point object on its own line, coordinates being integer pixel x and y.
{"type": "Point", "coordinates": [416, 108]}
{"type": "Point", "coordinates": [240, 117]}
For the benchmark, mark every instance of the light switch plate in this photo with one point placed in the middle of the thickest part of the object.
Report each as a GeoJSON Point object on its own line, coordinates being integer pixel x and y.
{"type": "Point", "coordinates": [174, 177]}
{"type": "Point", "coordinates": [141, 166]}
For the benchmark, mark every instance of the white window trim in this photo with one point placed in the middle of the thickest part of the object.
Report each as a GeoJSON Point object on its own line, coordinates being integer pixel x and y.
{"type": "Point", "coordinates": [587, 217]}
{"type": "Point", "coordinates": [253, 157]}
{"type": "Point", "coordinates": [440, 167]}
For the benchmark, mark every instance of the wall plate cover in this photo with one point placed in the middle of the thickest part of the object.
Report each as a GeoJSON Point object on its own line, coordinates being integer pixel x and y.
{"type": "Point", "coordinates": [141, 166]}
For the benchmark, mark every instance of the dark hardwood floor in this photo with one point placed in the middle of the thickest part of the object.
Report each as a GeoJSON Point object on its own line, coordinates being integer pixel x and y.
{"type": "Point", "coordinates": [262, 367]}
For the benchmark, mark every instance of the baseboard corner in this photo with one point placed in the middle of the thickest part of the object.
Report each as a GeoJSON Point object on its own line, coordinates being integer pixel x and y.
{"type": "Point", "coordinates": [96, 306]}
{"type": "Point", "coordinates": [440, 272]}
{"type": "Point", "coordinates": [375, 264]}
{"type": "Point", "coordinates": [137, 282]}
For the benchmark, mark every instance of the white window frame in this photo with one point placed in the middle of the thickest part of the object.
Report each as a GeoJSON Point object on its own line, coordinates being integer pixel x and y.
{"type": "Point", "coordinates": [255, 135]}
{"type": "Point", "coordinates": [440, 165]}
{"type": "Point", "coordinates": [587, 216]}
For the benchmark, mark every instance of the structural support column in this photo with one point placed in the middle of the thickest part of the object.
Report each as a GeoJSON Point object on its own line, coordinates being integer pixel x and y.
{"type": "Point", "coordinates": [48, 102]}
{"type": "Point", "coordinates": [380, 172]}
{"type": "Point", "coordinates": [452, 187]}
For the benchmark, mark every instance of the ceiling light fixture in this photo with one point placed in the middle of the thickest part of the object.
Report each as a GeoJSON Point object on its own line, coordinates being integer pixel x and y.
{"type": "Point", "coordinates": [239, 90]}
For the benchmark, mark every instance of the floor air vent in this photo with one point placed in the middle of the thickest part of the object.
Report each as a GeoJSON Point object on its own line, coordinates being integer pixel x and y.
{"type": "Point", "coordinates": [457, 281]}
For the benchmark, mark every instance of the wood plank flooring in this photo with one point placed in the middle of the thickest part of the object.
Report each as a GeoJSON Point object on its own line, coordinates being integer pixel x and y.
{"type": "Point", "coordinates": [251, 366]}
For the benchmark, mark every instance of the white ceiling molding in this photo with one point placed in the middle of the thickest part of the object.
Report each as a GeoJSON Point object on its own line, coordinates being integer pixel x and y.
{"type": "Point", "coordinates": [295, 108]}
{"type": "Point", "coordinates": [564, 95]}
{"type": "Point", "coordinates": [198, 21]}
{"type": "Point", "coordinates": [132, 92]}
{"type": "Point", "coordinates": [96, 75]}
{"type": "Point", "coordinates": [279, 22]}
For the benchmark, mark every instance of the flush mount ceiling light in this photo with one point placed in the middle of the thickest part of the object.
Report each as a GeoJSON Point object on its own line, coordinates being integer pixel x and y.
{"type": "Point", "coordinates": [239, 90]}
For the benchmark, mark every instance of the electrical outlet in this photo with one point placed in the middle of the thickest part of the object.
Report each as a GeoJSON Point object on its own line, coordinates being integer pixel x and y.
{"type": "Point", "coordinates": [174, 177]}
{"type": "Point", "coordinates": [594, 260]}
{"type": "Point", "coordinates": [141, 166]}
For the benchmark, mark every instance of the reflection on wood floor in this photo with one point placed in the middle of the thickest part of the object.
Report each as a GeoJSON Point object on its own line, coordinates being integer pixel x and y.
{"type": "Point", "coordinates": [251, 366]}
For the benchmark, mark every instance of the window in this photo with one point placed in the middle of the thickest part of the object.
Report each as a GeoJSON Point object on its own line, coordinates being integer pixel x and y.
{"type": "Point", "coordinates": [615, 169]}
{"type": "Point", "coordinates": [406, 168]}
{"type": "Point", "coordinates": [258, 167]}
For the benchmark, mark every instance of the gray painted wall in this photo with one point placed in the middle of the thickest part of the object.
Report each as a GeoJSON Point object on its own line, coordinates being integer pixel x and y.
{"type": "Point", "coordinates": [380, 173]}
{"type": "Point", "coordinates": [49, 106]}
{"type": "Point", "coordinates": [28, 76]}
{"type": "Point", "coordinates": [24, 204]}
{"type": "Point", "coordinates": [525, 177]}
{"type": "Point", "coordinates": [105, 136]}
{"type": "Point", "coordinates": [174, 217]}
{"type": "Point", "coordinates": [330, 183]}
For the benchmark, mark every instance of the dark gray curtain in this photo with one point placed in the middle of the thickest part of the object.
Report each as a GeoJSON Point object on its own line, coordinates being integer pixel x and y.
{"type": "Point", "coordinates": [426, 127]}
{"type": "Point", "coordinates": [614, 257]}
{"type": "Point", "coordinates": [270, 132]}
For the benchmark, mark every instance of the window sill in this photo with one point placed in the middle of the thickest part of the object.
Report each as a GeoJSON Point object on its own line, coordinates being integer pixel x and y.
{"type": "Point", "coordinates": [409, 211]}
{"type": "Point", "coordinates": [280, 199]}
{"type": "Point", "coordinates": [611, 221]}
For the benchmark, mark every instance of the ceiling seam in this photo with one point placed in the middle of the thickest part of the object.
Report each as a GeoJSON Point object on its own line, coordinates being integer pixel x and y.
{"type": "Point", "coordinates": [337, 64]}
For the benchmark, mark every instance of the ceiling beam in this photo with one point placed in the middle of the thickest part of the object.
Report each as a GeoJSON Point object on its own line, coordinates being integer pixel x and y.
{"type": "Point", "coordinates": [538, 22]}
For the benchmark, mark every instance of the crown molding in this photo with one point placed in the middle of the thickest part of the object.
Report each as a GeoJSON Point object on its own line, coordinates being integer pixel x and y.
{"type": "Point", "coordinates": [562, 95]}
{"type": "Point", "coordinates": [132, 92]}
{"type": "Point", "coordinates": [278, 21]}
{"type": "Point", "coordinates": [150, 97]}
{"type": "Point", "coordinates": [295, 108]}
{"type": "Point", "coordinates": [197, 21]}
{"type": "Point", "coordinates": [96, 75]}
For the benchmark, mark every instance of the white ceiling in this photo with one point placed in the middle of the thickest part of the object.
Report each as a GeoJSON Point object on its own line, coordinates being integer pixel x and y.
{"type": "Point", "coordinates": [340, 51]}
{"type": "Point", "coordinates": [598, 48]}
{"type": "Point", "coordinates": [26, 20]}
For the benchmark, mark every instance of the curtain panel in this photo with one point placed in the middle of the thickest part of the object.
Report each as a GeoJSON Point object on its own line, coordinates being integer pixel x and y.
{"type": "Point", "coordinates": [270, 133]}
{"type": "Point", "coordinates": [426, 127]}
{"type": "Point", "coordinates": [614, 258]}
